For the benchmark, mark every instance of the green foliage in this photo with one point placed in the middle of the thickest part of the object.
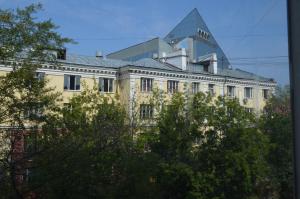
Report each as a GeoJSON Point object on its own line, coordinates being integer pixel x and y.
{"type": "Point", "coordinates": [276, 123]}
{"type": "Point", "coordinates": [26, 101]}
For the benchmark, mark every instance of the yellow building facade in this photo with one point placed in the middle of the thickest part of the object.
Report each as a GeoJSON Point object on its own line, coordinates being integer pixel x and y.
{"type": "Point", "coordinates": [135, 81]}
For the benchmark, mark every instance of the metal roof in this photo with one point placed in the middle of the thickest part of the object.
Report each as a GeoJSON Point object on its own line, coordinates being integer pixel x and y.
{"type": "Point", "coordinates": [94, 61]}
{"type": "Point", "coordinates": [149, 63]}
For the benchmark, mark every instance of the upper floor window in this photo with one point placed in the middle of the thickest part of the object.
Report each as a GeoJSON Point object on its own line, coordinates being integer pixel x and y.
{"type": "Point", "coordinates": [39, 75]}
{"type": "Point", "coordinates": [230, 91]}
{"type": "Point", "coordinates": [211, 89]}
{"type": "Point", "coordinates": [172, 86]}
{"type": "Point", "coordinates": [71, 82]}
{"type": "Point", "coordinates": [248, 92]}
{"type": "Point", "coordinates": [265, 93]}
{"type": "Point", "coordinates": [195, 87]}
{"type": "Point", "coordinates": [146, 84]}
{"type": "Point", "coordinates": [146, 111]}
{"type": "Point", "coordinates": [106, 85]}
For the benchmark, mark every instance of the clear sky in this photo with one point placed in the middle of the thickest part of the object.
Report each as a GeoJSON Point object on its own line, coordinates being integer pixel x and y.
{"type": "Point", "coordinates": [252, 33]}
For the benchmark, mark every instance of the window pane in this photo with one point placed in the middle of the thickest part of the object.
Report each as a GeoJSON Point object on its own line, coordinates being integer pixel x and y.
{"type": "Point", "coordinates": [105, 85]}
{"type": "Point", "coordinates": [77, 82]}
{"type": "Point", "coordinates": [101, 84]}
{"type": "Point", "coordinates": [72, 82]}
{"type": "Point", "coordinates": [66, 81]}
{"type": "Point", "coordinates": [111, 85]}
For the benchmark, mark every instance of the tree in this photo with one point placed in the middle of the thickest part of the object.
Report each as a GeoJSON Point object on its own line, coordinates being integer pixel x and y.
{"type": "Point", "coordinates": [212, 149]}
{"type": "Point", "coordinates": [276, 123]}
{"type": "Point", "coordinates": [25, 44]}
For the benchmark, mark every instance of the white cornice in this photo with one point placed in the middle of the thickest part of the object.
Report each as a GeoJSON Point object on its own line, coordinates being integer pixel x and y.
{"type": "Point", "coordinates": [128, 72]}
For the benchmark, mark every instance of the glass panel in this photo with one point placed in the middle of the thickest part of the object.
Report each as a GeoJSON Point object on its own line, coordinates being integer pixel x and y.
{"type": "Point", "coordinates": [111, 85]}
{"type": "Point", "coordinates": [72, 82]}
{"type": "Point", "coordinates": [66, 81]}
{"type": "Point", "coordinates": [106, 82]}
{"type": "Point", "coordinates": [77, 82]}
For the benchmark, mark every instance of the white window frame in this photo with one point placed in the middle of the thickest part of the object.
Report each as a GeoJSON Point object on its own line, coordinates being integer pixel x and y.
{"type": "Point", "coordinates": [172, 86]}
{"type": "Point", "coordinates": [110, 85]}
{"type": "Point", "coordinates": [146, 84]}
{"type": "Point", "coordinates": [146, 111]}
{"type": "Point", "coordinates": [195, 87]}
{"type": "Point", "coordinates": [39, 75]}
{"type": "Point", "coordinates": [251, 93]}
{"type": "Point", "coordinates": [230, 93]}
{"type": "Point", "coordinates": [211, 89]}
{"type": "Point", "coordinates": [267, 94]}
{"type": "Point", "coordinates": [249, 110]}
{"type": "Point", "coordinates": [67, 80]}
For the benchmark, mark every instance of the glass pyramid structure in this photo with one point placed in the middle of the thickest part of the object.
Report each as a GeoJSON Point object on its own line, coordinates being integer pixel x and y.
{"type": "Point", "coordinates": [191, 33]}
{"type": "Point", "coordinates": [203, 42]}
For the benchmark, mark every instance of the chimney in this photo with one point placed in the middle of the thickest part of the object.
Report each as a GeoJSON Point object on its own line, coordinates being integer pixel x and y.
{"type": "Point", "coordinates": [99, 54]}
{"type": "Point", "coordinates": [213, 66]}
{"type": "Point", "coordinates": [62, 54]}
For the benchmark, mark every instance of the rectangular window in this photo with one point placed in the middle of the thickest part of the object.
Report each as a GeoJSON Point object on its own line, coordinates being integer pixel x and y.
{"type": "Point", "coordinates": [146, 111]}
{"type": "Point", "coordinates": [230, 91]}
{"type": "Point", "coordinates": [172, 86]}
{"type": "Point", "coordinates": [249, 110]}
{"type": "Point", "coordinates": [106, 85]}
{"type": "Point", "coordinates": [211, 89]}
{"type": "Point", "coordinates": [265, 93]}
{"type": "Point", "coordinates": [72, 82]}
{"type": "Point", "coordinates": [248, 92]}
{"type": "Point", "coordinates": [205, 67]}
{"type": "Point", "coordinates": [195, 87]}
{"type": "Point", "coordinates": [39, 75]}
{"type": "Point", "coordinates": [146, 84]}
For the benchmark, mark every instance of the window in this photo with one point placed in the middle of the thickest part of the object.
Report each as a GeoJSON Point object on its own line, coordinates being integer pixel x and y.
{"type": "Point", "coordinates": [205, 67]}
{"type": "Point", "coordinates": [33, 111]}
{"type": "Point", "coordinates": [146, 84]}
{"type": "Point", "coordinates": [248, 92]}
{"type": "Point", "coordinates": [71, 82]}
{"type": "Point", "coordinates": [249, 110]}
{"type": "Point", "coordinates": [172, 86]}
{"type": "Point", "coordinates": [39, 75]}
{"type": "Point", "coordinates": [265, 93]}
{"type": "Point", "coordinates": [146, 111]}
{"type": "Point", "coordinates": [106, 85]}
{"type": "Point", "coordinates": [195, 87]}
{"type": "Point", "coordinates": [211, 89]}
{"type": "Point", "coordinates": [230, 91]}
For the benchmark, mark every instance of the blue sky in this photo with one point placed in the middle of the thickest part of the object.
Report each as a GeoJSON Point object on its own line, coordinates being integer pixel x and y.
{"type": "Point", "coordinates": [243, 28]}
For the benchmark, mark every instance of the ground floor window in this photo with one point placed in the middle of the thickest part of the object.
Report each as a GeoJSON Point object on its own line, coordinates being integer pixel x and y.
{"type": "Point", "coordinates": [146, 111]}
{"type": "Point", "coordinates": [195, 87]}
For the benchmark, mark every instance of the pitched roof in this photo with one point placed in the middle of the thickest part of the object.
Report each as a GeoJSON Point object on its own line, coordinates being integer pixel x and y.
{"type": "Point", "coordinates": [149, 63]}
{"type": "Point", "coordinates": [94, 61]}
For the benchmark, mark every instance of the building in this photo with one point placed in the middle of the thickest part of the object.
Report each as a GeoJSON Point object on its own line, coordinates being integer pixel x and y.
{"type": "Point", "coordinates": [187, 60]}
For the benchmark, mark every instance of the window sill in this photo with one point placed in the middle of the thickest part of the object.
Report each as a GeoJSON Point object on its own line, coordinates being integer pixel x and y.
{"type": "Point", "coordinates": [66, 90]}
{"type": "Point", "coordinates": [106, 92]}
